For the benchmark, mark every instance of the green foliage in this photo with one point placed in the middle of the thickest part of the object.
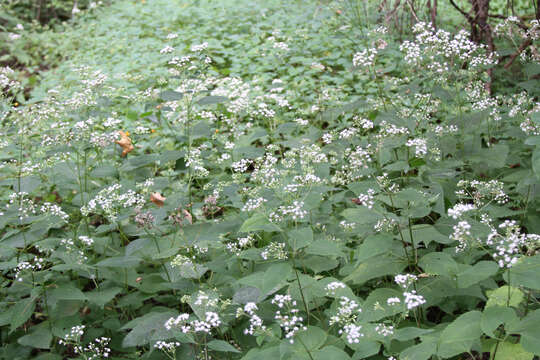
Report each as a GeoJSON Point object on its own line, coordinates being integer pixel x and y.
{"type": "Point", "coordinates": [264, 180]}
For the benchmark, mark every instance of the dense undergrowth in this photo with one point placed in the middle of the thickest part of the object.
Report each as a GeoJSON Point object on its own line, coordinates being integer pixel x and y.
{"type": "Point", "coordinates": [279, 180]}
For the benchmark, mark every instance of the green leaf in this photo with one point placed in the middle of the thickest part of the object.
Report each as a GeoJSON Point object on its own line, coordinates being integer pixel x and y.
{"type": "Point", "coordinates": [330, 352]}
{"type": "Point", "coordinates": [494, 316]}
{"type": "Point", "coordinates": [365, 348]}
{"type": "Point", "coordinates": [67, 292]}
{"type": "Point", "coordinates": [525, 272]}
{"type": "Point", "coordinates": [426, 234]}
{"type": "Point", "coordinates": [210, 100]}
{"type": "Point", "coordinates": [361, 215]}
{"type": "Point", "coordinates": [40, 337]}
{"type": "Point", "coordinates": [270, 280]}
{"type": "Point", "coordinates": [258, 222]}
{"type": "Point", "coordinates": [374, 245]}
{"type": "Point", "coordinates": [478, 272]}
{"type": "Point", "coordinates": [536, 162]}
{"type": "Point", "coordinates": [269, 353]}
{"type": "Point", "coordinates": [22, 311]}
{"type": "Point", "coordinates": [247, 294]}
{"type": "Point", "coordinates": [379, 308]}
{"type": "Point", "coordinates": [439, 263]}
{"type": "Point", "coordinates": [507, 350]}
{"type": "Point", "coordinates": [223, 346]}
{"type": "Point", "coordinates": [409, 333]}
{"type": "Point", "coordinates": [504, 296]}
{"type": "Point", "coordinates": [325, 247]}
{"type": "Point", "coordinates": [148, 328]}
{"type": "Point", "coordinates": [529, 329]}
{"type": "Point", "coordinates": [313, 338]}
{"type": "Point", "coordinates": [171, 95]}
{"type": "Point", "coordinates": [459, 336]}
{"type": "Point", "coordinates": [299, 238]}
{"type": "Point", "coordinates": [422, 351]}
{"type": "Point", "coordinates": [101, 297]}
{"type": "Point", "coordinates": [374, 268]}
{"type": "Point", "coordinates": [120, 262]}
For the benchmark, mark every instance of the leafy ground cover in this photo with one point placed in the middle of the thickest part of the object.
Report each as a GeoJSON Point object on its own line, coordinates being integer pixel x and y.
{"type": "Point", "coordinates": [279, 180]}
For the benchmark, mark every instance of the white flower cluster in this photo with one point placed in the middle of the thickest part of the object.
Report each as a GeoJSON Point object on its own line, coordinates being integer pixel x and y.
{"type": "Point", "coordinates": [481, 192]}
{"type": "Point", "coordinates": [289, 321]}
{"type": "Point", "coordinates": [509, 245]}
{"type": "Point", "coordinates": [367, 199]}
{"type": "Point", "coordinates": [461, 234]}
{"type": "Point", "coordinates": [195, 163]}
{"type": "Point", "coordinates": [459, 209]}
{"type": "Point", "coordinates": [253, 204]}
{"type": "Point", "coordinates": [182, 323]}
{"type": "Point", "coordinates": [37, 263]}
{"type": "Point", "coordinates": [96, 349]}
{"type": "Point", "coordinates": [364, 58]}
{"type": "Point", "coordinates": [255, 322]}
{"type": "Point", "coordinates": [295, 211]}
{"type": "Point", "coordinates": [332, 287]}
{"type": "Point", "coordinates": [167, 346]}
{"type": "Point", "coordinates": [413, 300]}
{"type": "Point", "coordinates": [71, 249]}
{"type": "Point", "coordinates": [241, 166]}
{"type": "Point", "coordinates": [6, 73]}
{"type": "Point", "coordinates": [240, 244]}
{"type": "Point", "coordinates": [274, 251]}
{"type": "Point", "coordinates": [420, 145]}
{"type": "Point", "coordinates": [438, 51]}
{"type": "Point", "coordinates": [384, 330]}
{"type": "Point", "coordinates": [405, 280]}
{"type": "Point", "coordinates": [109, 200]}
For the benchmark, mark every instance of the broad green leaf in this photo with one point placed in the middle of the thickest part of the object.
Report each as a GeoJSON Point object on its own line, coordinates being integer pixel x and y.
{"type": "Point", "coordinates": [507, 350]}
{"type": "Point", "coordinates": [148, 328]}
{"type": "Point", "coordinates": [361, 215]}
{"type": "Point", "coordinates": [210, 100]}
{"type": "Point", "coordinates": [119, 262]}
{"type": "Point", "coordinates": [504, 296]}
{"type": "Point", "coordinates": [66, 292]}
{"type": "Point", "coordinates": [536, 162]}
{"type": "Point", "coordinates": [300, 238]}
{"type": "Point", "coordinates": [494, 316]}
{"type": "Point", "coordinates": [269, 353]}
{"type": "Point", "coordinates": [171, 95]}
{"type": "Point", "coordinates": [439, 263]}
{"type": "Point", "coordinates": [101, 297]}
{"type": "Point", "coordinates": [258, 222]}
{"type": "Point", "coordinates": [409, 333]}
{"type": "Point", "coordinates": [379, 308]}
{"type": "Point", "coordinates": [422, 351]}
{"type": "Point", "coordinates": [459, 336]}
{"type": "Point", "coordinates": [325, 247]}
{"type": "Point", "coordinates": [223, 346]}
{"type": "Point", "coordinates": [374, 245]}
{"type": "Point", "coordinates": [22, 311]}
{"type": "Point", "coordinates": [365, 348]}
{"type": "Point", "coordinates": [330, 352]}
{"type": "Point", "coordinates": [270, 280]}
{"type": "Point", "coordinates": [374, 268]}
{"type": "Point", "coordinates": [529, 330]}
{"type": "Point", "coordinates": [247, 294]}
{"type": "Point", "coordinates": [478, 272]}
{"type": "Point", "coordinates": [40, 337]}
{"type": "Point", "coordinates": [313, 338]}
{"type": "Point", "coordinates": [525, 272]}
{"type": "Point", "coordinates": [426, 234]}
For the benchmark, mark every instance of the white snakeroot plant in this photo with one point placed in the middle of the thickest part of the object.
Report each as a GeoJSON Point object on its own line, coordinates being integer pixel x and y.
{"type": "Point", "coordinates": [287, 316]}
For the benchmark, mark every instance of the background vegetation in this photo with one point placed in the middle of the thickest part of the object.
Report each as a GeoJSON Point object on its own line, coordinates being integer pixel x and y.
{"type": "Point", "coordinates": [269, 180]}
